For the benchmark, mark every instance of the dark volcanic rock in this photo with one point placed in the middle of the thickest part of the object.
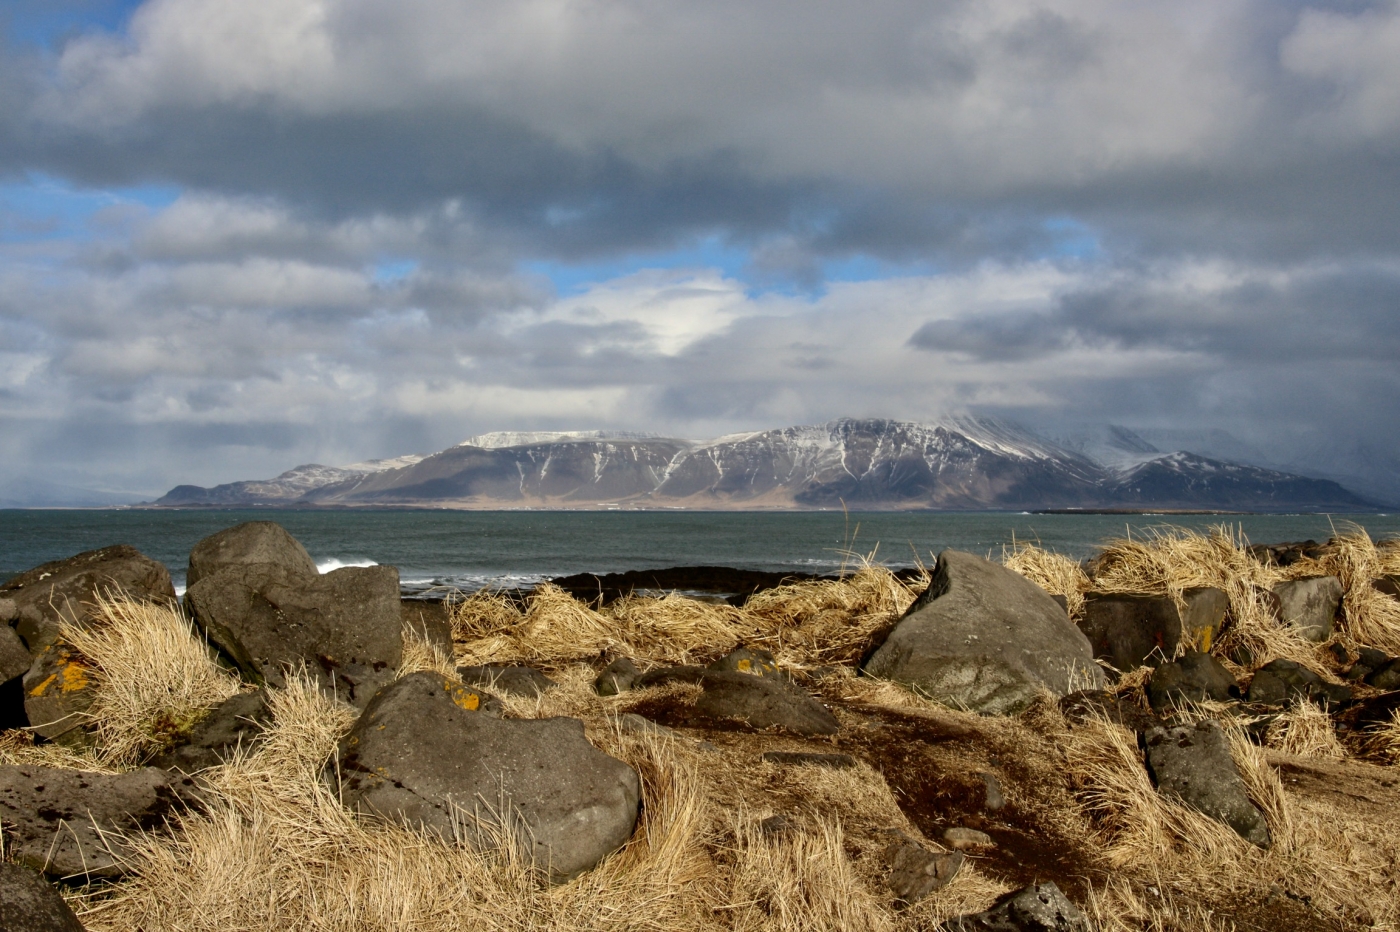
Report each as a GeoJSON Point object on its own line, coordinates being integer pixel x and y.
{"type": "Point", "coordinates": [616, 678]}
{"type": "Point", "coordinates": [1194, 677]}
{"type": "Point", "coordinates": [236, 722]}
{"type": "Point", "coordinates": [1131, 630]}
{"type": "Point", "coordinates": [1390, 585]}
{"type": "Point", "coordinates": [511, 680]}
{"type": "Point", "coordinates": [65, 590]}
{"type": "Point", "coordinates": [744, 660]}
{"type": "Point", "coordinates": [1204, 615]}
{"type": "Point", "coordinates": [1286, 553]}
{"type": "Point", "coordinates": [28, 903]}
{"type": "Point", "coordinates": [763, 702]}
{"type": "Point", "coordinates": [14, 656]}
{"type": "Point", "coordinates": [1281, 681]}
{"type": "Point", "coordinates": [424, 752]}
{"type": "Point", "coordinates": [722, 580]}
{"type": "Point", "coordinates": [985, 639]}
{"type": "Point", "coordinates": [247, 544]}
{"type": "Point", "coordinates": [1193, 763]}
{"type": "Point", "coordinates": [68, 823]}
{"type": "Point", "coordinates": [665, 676]}
{"type": "Point", "coordinates": [1309, 606]}
{"type": "Point", "coordinates": [344, 626]}
{"type": "Point", "coordinates": [58, 690]}
{"type": "Point", "coordinates": [1386, 676]}
{"type": "Point", "coordinates": [1037, 908]}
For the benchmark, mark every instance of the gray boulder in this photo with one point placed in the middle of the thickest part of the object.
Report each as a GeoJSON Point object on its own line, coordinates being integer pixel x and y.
{"type": "Point", "coordinates": [616, 678]}
{"type": "Point", "coordinates": [66, 590]}
{"type": "Point", "coordinates": [247, 544]}
{"type": "Point", "coordinates": [668, 676]}
{"type": "Point", "coordinates": [1195, 677]}
{"type": "Point", "coordinates": [755, 662]}
{"type": "Point", "coordinates": [1037, 908]}
{"type": "Point", "coordinates": [763, 702]}
{"type": "Point", "coordinates": [1309, 606]}
{"type": "Point", "coordinates": [69, 823]}
{"type": "Point", "coordinates": [1204, 615]}
{"type": "Point", "coordinates": [1282, 681]}
{"type": "Point", "coordinates": [59, 688]}
{"type": "Point", "coordinates": [236, 722]}
{"type": "Point", "coordinates": [344, 626]}
{"type": "Point", "coordinates": [985, 639]}
{"type": "Point", "coordinates": [915, 872]}
{"type": "Point", "coordinates": [1386, 676]}
{"type": "Point", "coordinates": [1131, 630]}
{"type": "Point", "coordinates": [424, 752]}
{"type": "Point", "coordinates": [29, 903]}
{"type": "Point", "coordinates": [14, 656]}
{"type": "Point", "coordinates": [511, 680]}
{"type": "Point", "coordinates": [1193, 764]}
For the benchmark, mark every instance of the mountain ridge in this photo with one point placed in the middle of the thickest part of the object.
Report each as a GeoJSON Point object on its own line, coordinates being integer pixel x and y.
{"type": "Point", "coordinates": [956, 463]}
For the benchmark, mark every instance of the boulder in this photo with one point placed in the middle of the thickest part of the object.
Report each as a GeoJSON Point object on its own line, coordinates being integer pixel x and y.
{"type": "Point", "coordinates": [666, 676]}
{"type": "Point", "coordinates": [511, 680]}
{"type": "Point", "coordinates": [616, 678]}
{"type": "Point", "coordinates": [430, 621]}
{"type": "Point", "coordinates": [1037, 908]}
{"type": "Point", "coordinates": [1131, 630]}
{"type": "Point", "coordinates": [809, 759]}
{"type": "Point", "coordinates": [14, 656]}
{"type": "Point", "coordinates": [70, 823]}
{"type": "Point", "coordinates": [984, 638]}
{"type": "Point", "coordinates": [963, 839]}
{"type": "Point", "coordinates": [1286, 553]}
{"type": "Point", "coordinates": [1204, 615]}
{"type": "Point", "coordinates": [1195, 677]}
{"type": "Point", "coordinates": [344, 626]}
{"type": "Point", "coordinates": [763, 702]}
{"type": "Point", "coordinates": [424, 752]}
{"type": "Point", "coordinates": [1281, 681]}
{"type": "Point", "coordinates": [247, 544]}
{"type": "Point", "coordinates": [993, 800]}
{"type": "Point", "coordinates": [915, 872]}
{"type": "Point", "coordinates": [236, 722]}
{"type": "Point", "coordinates": [58, 690]}
{"type": "Point", "coordinates": [1309, 606]}
{"type": "Point", "coordinates": [1386, 676]}
{"type": "Point", "coordinates": [66, 590]}
{"type": "Point", "coordinates": [29, 903]}
{"type": "Point", "coordinates": [1193, 764]}
{"type": "Point", "coordinates": [1389, 585]}
{"type": "Point", "coordinates": [745, 660]}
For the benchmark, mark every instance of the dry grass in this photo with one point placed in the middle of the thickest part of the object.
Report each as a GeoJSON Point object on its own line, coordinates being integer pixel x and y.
{"type": "Point", "coordinates": [1055, 573]}
{"type": "Point", "coordinates": [1372, 618]}
{"type": "Point", "coordinates": [1305, 730]}
{"type": "Point", "coordinates": [1384, 740]}
{"type": "Point", "coordinates": [804, 624]}
{"type": "Point", "coordinates": [153, 681]}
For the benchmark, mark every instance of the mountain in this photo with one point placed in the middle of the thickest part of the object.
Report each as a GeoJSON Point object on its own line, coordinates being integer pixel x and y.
{"type": "Point", "coordinates": [39, 493]}
{"type": "Point", "coordinates": [957, 463]}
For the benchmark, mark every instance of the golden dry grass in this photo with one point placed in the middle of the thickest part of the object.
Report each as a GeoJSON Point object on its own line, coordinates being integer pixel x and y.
{"type": "Point", "coordinates": [153, 681]}
{"type": "Point", "coordinates": [1055, 573]}
{"type": "Point", "coordinates": [1372, 618]}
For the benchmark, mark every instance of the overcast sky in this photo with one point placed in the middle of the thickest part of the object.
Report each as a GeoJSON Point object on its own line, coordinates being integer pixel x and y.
{"type": "Point", "coordinates": [239, 236]}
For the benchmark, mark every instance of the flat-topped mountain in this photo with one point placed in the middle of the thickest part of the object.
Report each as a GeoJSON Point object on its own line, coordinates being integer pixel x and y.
{"type": "Point", "coordinates": [962, 464]}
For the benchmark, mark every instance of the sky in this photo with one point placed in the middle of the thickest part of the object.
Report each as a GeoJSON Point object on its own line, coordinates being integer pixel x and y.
{"type": "Point", "coordinates": [237, 237]}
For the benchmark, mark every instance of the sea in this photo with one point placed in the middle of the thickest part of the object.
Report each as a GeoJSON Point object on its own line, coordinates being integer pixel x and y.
{"type": "Point", "coordinates": [437, 551]}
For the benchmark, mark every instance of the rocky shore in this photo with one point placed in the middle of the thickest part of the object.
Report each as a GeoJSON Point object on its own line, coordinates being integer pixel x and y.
{"type": "Point", "coordinates": [1185, 732]}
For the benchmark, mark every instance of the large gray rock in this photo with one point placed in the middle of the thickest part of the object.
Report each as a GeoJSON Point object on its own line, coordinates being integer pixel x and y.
{"type": "Point", "coordinates": [344, 626]}
{"type": "Point", "coordinates": [29, 903]}
{"type": "Point", "coordinates": [753, 661]}
{"type": "Point", "coordinates": [66, 590]}
{"type": "Point", "coordinates": [1281, 681]}
{"type": "Point", "coordinates": [763, 701]}
{"type": "Point", "coordinates": [1204, 615]}
{"type": "Point", "coordinates": [235, 723]}
{"type": "Point", "coordinates": [1195, 677]}
{"type": "Point", "coordinates": [510, 679]}
{"type": "Point", "coordinates": [915, 871]}
{"type": "Point", "coordinates": [425, 752]}
{"type": "Point", "coordinates": [1309, 606]}
{"type": "Point", "coordinates": [1037, 908]}
{"type": "Point", "coordinates": [986, 639]}
{"type": "Point", "coordinates": [247, 544]}
{"type": "Point", "coordinates": [1193, 764]}
{"type": "Point", "coordinates": [617, 677]}
{"type": "Point", "coordinates": [59, 688]}
{"type": "Point", "coordinates": [14, 656]}
{"type": "Point", "coordinates": [70, 823]}
{"type": "Point", "coordinates": [1131, 630]}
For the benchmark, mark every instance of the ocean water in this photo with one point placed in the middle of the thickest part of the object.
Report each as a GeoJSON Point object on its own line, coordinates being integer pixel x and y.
{"type": "Point", "coordinates": [471, 549]}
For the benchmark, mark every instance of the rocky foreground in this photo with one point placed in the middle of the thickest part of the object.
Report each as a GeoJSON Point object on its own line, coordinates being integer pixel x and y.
{"type": "Point", "coordinates": [1182, 733]}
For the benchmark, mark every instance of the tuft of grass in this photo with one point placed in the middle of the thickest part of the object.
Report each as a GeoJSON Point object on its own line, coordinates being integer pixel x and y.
{"type": "Point", "coordinates": [1055, 573]}
{"type": "Point", "coordinates": [153, 681]}
{"type": "Point", "coordinates": [1304, 730]}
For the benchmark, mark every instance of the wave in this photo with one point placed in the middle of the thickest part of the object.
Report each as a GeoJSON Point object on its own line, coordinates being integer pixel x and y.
{"type": "Point", "coordinates": [333, 563]}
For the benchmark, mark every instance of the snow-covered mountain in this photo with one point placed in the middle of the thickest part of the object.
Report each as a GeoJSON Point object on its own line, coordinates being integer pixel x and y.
{"type": "Point", "coordinates": [956, 463]}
